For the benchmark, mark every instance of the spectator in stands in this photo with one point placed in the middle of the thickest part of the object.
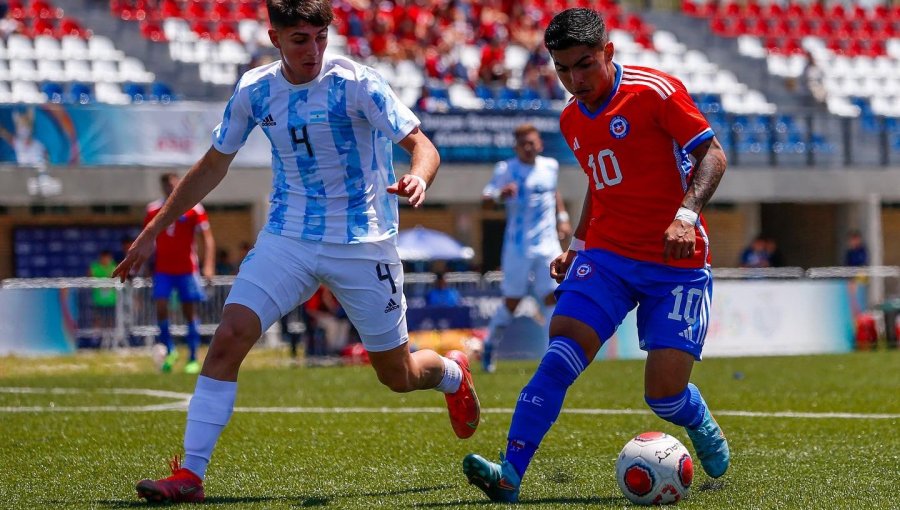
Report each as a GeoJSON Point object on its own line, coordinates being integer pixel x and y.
{"type": "Point", "coordinates": [493, 71]}
{"type": "Point", "coordinates": [814, 82]}
{"type": "Point", "coordinates": [224, 265]}
{"type": "Point", "coordinates": [756, 254]}
{"type": "Point", "coordinates": [103, 300]}
{"type": "Point", "coordinates": [536, 222]}
{"type": "Point", "coordinates": [332, 123]}
{"type": "Point", "coordinates": [329, 328]}
{"type": "Point", "coordinates": [773, 252]}
{"type": "Point", "coordinates": [29, 150]}
{"type": "Point", "coordinates": [175, 270]}
{"type": "Point", "coordinates": [441, 294]}
{"type": "Point", "coordinates": [856, 254]}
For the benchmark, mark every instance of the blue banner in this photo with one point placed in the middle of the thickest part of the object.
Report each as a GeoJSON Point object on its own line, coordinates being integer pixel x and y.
{"type": "Point", "coordinates": [179, 134]}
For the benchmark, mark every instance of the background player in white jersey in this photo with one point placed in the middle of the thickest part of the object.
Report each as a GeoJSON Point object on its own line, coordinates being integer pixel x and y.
{"type": "Point", "coordinates": [536, 221]}
{"type": "Point", "coordinates": [332, 220]}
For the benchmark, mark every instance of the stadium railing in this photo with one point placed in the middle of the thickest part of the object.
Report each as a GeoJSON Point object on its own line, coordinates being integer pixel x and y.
{"type": "Point", "coordinates": [135, 311]}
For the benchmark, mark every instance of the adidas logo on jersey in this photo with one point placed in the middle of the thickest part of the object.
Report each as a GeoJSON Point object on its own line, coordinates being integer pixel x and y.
{"type": "Point", "coordinates": [575, 144]}
{"type": "Point", "coordinates": [269, 121]}
{"type": "Point", "coordinates": [391, 306]}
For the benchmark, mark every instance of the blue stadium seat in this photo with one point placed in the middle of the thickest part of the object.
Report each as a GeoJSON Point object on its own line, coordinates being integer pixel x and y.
{"type": "Point", "coordinates": [137, 92]}
{"type": "Point", "coordinates": [54, 91]}
{"type": "Point", "coordinates": [161, 92]}
{"type": "Point", "coordinates": [81, 93]}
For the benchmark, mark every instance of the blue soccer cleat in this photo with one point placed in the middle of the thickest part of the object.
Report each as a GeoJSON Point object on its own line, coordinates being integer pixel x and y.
{"type": "Point", "coordinates": [711, 445]}
{"type": "Point", "coordinates": [499, 482]}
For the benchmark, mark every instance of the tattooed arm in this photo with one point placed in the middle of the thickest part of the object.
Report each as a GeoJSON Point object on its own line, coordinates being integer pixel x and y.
{"type": "Point", "coordinates": [679, 239]}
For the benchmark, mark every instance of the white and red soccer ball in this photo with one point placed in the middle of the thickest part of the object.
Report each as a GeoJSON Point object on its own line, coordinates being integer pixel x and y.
{"type": "Point", "coordinates": [654, 469]}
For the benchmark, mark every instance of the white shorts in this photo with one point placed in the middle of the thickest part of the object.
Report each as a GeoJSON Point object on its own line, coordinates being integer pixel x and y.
{"type": "Point", "coordinates": [521, 273]}
{"type": "Point", "coordinates": [366, 278]}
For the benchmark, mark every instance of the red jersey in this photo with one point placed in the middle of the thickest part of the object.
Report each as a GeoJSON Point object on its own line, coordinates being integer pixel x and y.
{"type": "Point", "coordinates": [634, 151]}
{"type": "Point", "coordinates": [175, 252]}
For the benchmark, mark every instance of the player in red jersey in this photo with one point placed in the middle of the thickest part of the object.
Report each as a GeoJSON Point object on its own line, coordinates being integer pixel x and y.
{"type": "Point", "coordinates": [175, 268]}
{"type": "Point", "coordinates": [652, 163]}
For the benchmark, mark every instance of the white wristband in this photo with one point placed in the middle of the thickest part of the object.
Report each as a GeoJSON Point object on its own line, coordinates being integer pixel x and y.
{"type": "Point", "coordinates": [562, 217]}
{"type": "Point", "coordinates": [576, 244]}
{"type": "Point", "coordinates": [687, 215]}
{"type": "Point", "coordinates": [421, 180]}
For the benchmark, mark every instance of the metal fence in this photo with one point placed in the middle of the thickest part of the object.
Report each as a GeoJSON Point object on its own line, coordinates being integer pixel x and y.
{"type": "Point", "coordinates": [133, 319]}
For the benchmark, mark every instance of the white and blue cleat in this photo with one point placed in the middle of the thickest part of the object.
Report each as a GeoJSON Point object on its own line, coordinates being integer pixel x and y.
{"type": "Point", "coordinates": [711, 445]}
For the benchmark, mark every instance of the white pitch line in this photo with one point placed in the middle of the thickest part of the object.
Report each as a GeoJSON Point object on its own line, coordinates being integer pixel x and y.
{"type": "Point", "coordinates": [181, 401]}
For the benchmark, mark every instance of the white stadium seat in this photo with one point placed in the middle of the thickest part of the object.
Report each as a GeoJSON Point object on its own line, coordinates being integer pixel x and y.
{"type": "Point", "coordinates": [73, 47]}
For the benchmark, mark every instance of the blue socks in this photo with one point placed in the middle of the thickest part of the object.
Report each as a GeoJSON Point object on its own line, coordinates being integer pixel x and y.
{"type": "Point", "coordinates": [193, 339]}
{"type": "Point", "coordinates": [685, 409]}
{"type": "Point", "coordinates": [209, 411]}
{"type": "Point", "coordinates": [165, 336]}
{"type": "Point", "coordinates": [542, 399]}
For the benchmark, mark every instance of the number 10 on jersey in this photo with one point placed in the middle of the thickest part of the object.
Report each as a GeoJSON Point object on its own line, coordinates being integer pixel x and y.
{"type": "Point", "coordinates": [609, 174]}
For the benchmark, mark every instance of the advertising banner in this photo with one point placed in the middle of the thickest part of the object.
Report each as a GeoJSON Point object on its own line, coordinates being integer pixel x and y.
{"type": "Point", "coordinates": [36, 321]}
{"type": "Point", "coordinates": [178, 134]}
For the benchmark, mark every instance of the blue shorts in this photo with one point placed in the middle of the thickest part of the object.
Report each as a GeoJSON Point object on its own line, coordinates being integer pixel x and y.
{"type": "Point", "coordinates": [673, 303]}
{"type": "Point", "coordinates": [187, 285]}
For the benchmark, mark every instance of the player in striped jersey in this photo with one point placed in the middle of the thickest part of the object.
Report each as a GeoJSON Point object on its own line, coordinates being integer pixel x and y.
{"type": "Point", "coordinates": [536, 221]}
{"type": "Point", "coordinates": [332, 220]}
{"type": "Point", "coordinates": [652, 163]}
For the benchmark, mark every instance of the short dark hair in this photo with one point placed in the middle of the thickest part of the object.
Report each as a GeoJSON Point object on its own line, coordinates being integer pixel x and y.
{"type": "Point", "coordinates": [287, 13]}
{"type": "Point", "coordinates": [575, 27]}
{"type": "Point", "coordinates": [166, 177]}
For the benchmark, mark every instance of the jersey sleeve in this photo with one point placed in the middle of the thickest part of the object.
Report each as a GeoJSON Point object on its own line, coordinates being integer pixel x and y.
{"type": "Point", "coordinates": [498, 180]}
{"type": "Point", "coordinates": [237, 123]}
{"type": "Point", "coordinates": [202, 218]}
{"type": "Point", "coordinates": [681, 118]}
{"type": "Point", "coordinates": [383, 108]}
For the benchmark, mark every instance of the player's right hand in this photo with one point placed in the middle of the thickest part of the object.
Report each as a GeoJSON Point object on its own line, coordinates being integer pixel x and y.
{"type": "Point", "coordinates": [510, 190]}
{"type": "Point", "coordinates": [560, 265]}
{"type": "Point", "coordinates": [137, 254]}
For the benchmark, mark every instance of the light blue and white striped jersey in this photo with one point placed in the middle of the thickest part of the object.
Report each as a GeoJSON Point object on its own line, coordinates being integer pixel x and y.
{"type": "Point", "coordinates": [531, 214]}
{"type": "Point", "coordinates": [331, 148]}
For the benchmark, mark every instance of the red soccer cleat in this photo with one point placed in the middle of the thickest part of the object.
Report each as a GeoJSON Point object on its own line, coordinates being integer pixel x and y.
{"type": "Point", "coordinates": [182, 487]}
{"type": "Point", "coordinates": [465, 411]}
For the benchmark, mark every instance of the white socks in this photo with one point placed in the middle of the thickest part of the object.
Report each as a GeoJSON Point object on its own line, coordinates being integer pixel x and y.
{"type": "Point", "coordinates": [452, 377]}
{"type": "Point", "coordinates": [209, 411]}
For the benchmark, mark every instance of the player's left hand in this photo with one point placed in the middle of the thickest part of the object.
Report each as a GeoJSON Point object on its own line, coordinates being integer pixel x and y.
{"type": "Point", "coordinates": [679, 240]}
{"type": "Point", "coordinates": [409, 186]}
{"type": "Point", "coordinates": [560, 265]}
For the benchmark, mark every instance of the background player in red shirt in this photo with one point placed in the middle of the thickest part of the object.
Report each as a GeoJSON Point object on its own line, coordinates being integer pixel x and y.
{"type": "Point", "coordinates": [652, 163]}
{"type": "Point", "coordinates": [175, 269]}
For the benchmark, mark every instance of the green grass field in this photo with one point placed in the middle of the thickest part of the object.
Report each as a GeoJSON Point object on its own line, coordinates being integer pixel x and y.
{"type": "Point", "coordinates": [334, 438]}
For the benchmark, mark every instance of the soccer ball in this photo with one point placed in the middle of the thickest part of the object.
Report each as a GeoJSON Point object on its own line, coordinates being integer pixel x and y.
{"type": "Point", "coordinates": [654, 469]}
{"type": "Point", "coordinates": [158, 353]}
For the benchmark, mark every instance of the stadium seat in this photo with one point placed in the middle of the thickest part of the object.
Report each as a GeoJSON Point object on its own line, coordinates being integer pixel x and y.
{"type": "Point", "coordinates": [136, 91]}
{"type": "Point", "coordinates": [111, 93]}
{"type": "Point", "coordinates": [73, 47]}
{"type": "Point", "coordinates": [161, 92]}
{"type": "Point", "coordinates": [80, 93]}
{"type": "Point", "coordinates": [26, 92]}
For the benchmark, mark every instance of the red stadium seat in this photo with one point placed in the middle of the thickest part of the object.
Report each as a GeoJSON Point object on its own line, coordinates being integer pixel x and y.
{"type": "Point", "coordinates": [43, 27]}
{"type": "Point", "coordinates": [196, 10]}
{"type": "Point", "coordinates": [201, 28]}
{"type": "Point", "coordinates": [170, 9]}
{"type": "Point", "coordinates": [752, 9]}
{"type": "Point", "coordinates": [153, 31]}
{"type": "Point", "coordinates": [221, 11]}
{"type": "Point", "coordinates": [44, 10]}
{"type": "Point", "coordinates": [226, 31]}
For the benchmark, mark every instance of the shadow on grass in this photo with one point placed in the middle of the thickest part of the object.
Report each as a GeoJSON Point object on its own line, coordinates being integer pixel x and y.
{"type": "Point", "coordinates": [295, 501]}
